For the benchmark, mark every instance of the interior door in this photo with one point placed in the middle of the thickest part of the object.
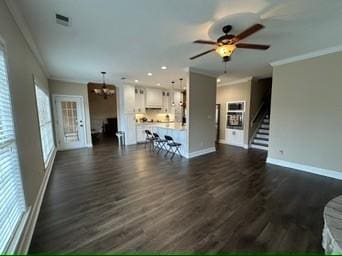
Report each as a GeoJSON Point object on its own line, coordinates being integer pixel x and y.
{"type": "Point", "coordinates": [69, 120]}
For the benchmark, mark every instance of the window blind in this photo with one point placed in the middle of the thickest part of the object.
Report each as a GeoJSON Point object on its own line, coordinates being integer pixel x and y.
{"type": "Point", "coordinates": [45, 123]}
{"type": "Point", "coordinates": [12, 203]}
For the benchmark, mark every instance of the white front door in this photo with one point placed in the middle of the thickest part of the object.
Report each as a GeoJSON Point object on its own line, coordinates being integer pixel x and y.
{"type": "Point", "coordinates": [69, 121]}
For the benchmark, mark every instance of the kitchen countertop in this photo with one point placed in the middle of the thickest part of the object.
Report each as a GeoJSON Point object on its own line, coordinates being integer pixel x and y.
{"type": "Point", "coordinates": [152, 123]}
{"type": "Point", "coordinates": [169, 125]}
{"type": "Point", "coordinates": [173, 126]}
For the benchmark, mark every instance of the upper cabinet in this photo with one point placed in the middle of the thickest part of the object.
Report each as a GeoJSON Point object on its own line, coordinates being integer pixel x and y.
{"type": "Point", "coordinates": [129, 99]}
{"type": "Point", "coordinates": [140, 100]}
{"type": "Point", "coordinates": [154, 98]}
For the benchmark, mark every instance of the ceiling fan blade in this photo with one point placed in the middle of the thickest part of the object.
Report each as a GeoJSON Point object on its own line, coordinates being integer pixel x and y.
{"type": "Point", "coordinates": [204, 42]}
{"type": "Point", "coordinates": [249, 31]}
{"type": "Point", "coordinates": [201, 54]}
{"type": "Point", "coordinates": [253, 46]}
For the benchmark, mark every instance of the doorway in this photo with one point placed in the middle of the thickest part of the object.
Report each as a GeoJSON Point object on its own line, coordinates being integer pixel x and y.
{"type": "Point", "coordinates": [103, 114]}
{"type": "Point", "coordinates": [69, 122]}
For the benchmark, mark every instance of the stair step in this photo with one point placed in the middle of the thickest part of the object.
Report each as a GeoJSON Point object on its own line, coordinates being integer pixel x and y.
{"type": "Point", "coordinates": [262, 136]}
{"type": "Point", "coordinates": [266, 121]}
{"type": "Point", "coordinates": [264, 131]}
{"type": "Point", "coordinates": [259, 146]}
{"type": "Point", "coordinates": [265, 126]}
{"type": "Point", "coordinates": [261, 141]}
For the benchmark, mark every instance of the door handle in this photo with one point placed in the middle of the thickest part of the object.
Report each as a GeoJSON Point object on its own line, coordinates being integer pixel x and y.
{"type": "Point", "coordinates": [81, 125]}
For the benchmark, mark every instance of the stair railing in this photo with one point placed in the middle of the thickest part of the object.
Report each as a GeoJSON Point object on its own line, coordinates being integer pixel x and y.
{"type": "Point", "coordinates": [259, 115]}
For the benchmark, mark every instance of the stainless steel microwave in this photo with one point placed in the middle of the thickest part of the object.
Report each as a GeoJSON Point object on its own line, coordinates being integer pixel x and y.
{"type": "Point", "coordinates": [236, 106]}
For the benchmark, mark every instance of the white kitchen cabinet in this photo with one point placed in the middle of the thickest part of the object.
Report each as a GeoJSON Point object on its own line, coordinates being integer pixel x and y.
{"type": "Point", "coordinates": [154, 98]}
{"type": "Point", "coordinates": [130, 129]}
{"type": "Point", "coordinates": [141, 133]}
{"type": "Point", "coordinates": [140, 100]}
{"type": "Point", "coordinates": [234, 137]}
{"type": "Point", "coordinates": [166, 102]}
{"type": "Point", "coordinates": [128, 99]}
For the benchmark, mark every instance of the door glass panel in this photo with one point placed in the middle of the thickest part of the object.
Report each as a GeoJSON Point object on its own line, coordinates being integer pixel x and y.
{"type": "Point", "coordinates": [70, 122]}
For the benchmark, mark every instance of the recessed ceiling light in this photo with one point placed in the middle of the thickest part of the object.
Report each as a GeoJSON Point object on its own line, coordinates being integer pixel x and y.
{"type": "Point", "coordinates": [164, 67]}
{"type": "Point", "coordinates": [158, 84]}
{"type": "Point", "coordinates": [218, 80]}
{"type": "Point", "coordinates": [136, 81]}
{"type": "Point", "coordinates": [149, 74]}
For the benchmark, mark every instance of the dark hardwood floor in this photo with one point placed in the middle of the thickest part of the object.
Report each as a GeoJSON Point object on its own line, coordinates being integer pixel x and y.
{"type": "Point", "coordinates": [110, 200]}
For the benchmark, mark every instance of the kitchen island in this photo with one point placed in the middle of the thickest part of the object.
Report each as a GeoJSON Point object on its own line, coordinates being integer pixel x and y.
{"type": "Point", "coordinates": [176, 130]}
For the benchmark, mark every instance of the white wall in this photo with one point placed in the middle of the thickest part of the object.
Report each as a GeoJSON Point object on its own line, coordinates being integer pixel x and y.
{"type": "Point", "coordinates": [306, 112]}
{"type": "Point", "coordinates": [201, 106]}
{"type": "Point", "coordinates": [22, 67]}
{"type": "Point", "coordinates": [67, 88]}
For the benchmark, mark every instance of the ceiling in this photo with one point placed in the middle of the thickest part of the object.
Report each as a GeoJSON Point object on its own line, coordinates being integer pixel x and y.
{"type": "Point", "coordinates": [133, 37]}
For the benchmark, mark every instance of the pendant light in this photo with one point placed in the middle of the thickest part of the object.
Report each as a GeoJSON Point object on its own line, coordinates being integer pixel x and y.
{"type": "Point", "coordinates": [173, 93]}
{"type": "Point", "coordinates": [181, 86]}
{"type": "Point", "coordinates": [104, 91]}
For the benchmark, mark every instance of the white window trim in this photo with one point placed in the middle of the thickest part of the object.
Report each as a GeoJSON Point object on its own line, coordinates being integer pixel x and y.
{"type": "Point", "coordinates": [46, 162]}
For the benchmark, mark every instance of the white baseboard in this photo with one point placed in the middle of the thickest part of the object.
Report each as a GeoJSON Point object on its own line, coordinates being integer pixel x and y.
{"type": "Point", "coordinates": [245, 146]}
{"type": "Point", "coordinates": [201, 152]}
{"type": "Point", "coordinates": [89, 145]}
{"type": "Point", "coordinates": [306, 168]}
{"type": "Point", "coordinates": [25, 240]}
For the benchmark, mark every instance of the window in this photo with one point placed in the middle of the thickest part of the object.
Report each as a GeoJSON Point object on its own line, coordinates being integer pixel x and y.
{"type": "Point", "coordinates": [12, 203]}
{"type": "Point", "coordinates": [45, 123]}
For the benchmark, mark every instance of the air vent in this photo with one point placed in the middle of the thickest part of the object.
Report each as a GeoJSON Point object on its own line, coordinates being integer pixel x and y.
{"type": "Point", "coordinates": [62, 20]}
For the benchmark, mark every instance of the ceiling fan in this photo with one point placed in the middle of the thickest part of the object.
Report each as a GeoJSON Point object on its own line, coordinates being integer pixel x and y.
{"type": "Point", "coordinates": [226, 44]}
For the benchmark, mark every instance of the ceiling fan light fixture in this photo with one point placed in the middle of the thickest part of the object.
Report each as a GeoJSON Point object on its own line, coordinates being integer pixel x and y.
{"type": "Point", "coordinates": [225, 50]}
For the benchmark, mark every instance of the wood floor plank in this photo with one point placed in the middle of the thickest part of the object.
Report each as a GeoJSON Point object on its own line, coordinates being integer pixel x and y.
{"type": "Point", "coordinates": [111, 199]}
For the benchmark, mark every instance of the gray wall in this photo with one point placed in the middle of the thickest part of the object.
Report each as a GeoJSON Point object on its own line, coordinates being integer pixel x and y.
{"type": "Point", "coordinates": [68, 88]}
{"type": "Point", "coordinates": [234, 92]}
{"type": "Point", "coordinates": [306, 112]}
{"type": "Point", "coordinates": [22, 66]}
{"type": "Point", "coordinates": [201, 100]}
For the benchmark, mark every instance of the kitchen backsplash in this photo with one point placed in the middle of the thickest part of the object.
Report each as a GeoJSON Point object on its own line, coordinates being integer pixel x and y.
{"type": "Point", "coordinates": [155, 115]}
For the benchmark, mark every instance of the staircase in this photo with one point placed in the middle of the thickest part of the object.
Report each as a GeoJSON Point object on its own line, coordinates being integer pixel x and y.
{"type": "Point", "coordinates": [260, 140]}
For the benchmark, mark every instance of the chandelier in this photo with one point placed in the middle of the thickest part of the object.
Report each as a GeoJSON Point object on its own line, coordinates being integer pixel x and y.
{"type": "Point", "coordinates": [104, 91]}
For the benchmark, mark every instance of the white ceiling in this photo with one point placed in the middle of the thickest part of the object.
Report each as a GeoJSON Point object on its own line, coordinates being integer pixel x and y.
{"type": "Point", "coordinates": [133, 37]}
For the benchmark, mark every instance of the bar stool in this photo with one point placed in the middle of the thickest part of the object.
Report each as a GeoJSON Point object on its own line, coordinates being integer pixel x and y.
{"type": "Point", "coordinates": [160, 143]}
{"type": "Point", "coordinates": [173, 146]}
{"type": "Point", "coordinates": [149, 139]}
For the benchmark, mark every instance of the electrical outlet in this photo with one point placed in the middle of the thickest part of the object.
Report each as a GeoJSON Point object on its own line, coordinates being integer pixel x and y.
{"type": "Point", "coordinates": [281, 152]}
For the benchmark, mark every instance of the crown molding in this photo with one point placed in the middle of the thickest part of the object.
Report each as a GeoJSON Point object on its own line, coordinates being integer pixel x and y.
{"type": "Point", "coordinates": [19, 20]}
{"type": "Point", "coordinates": [238, 81]}
{"type": "Point", "coordinates": [306, 56]}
